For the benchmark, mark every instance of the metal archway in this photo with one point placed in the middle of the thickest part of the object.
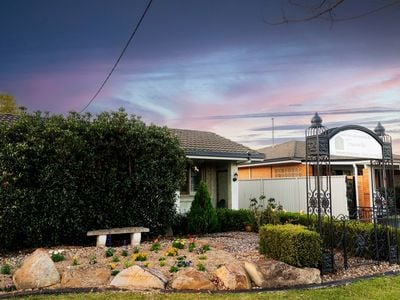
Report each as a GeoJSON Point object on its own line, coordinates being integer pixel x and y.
{"type": "Point", "coordinates": [382, 212]}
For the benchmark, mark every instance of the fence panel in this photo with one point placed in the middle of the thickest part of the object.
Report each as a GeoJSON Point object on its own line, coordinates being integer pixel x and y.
{"type": "Point", "coordinates": [291, 193]}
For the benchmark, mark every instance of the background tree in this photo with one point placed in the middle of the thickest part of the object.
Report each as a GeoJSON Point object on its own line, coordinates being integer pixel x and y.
{"type": "Point", "coordinates": [8, 105]}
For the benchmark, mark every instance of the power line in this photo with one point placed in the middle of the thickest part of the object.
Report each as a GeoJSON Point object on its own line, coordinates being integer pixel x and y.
{"type": "Point", "coordinates": [119, 58]}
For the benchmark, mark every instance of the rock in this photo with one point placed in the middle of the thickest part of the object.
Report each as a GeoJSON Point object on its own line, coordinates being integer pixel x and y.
{"type": "Point", "coordinates": [37, 271]}
{"type": "Point", "coordinates": [80, 277]}
{"type": "Point", "coordinates": [137, 277]}
{"type": "Point", "coordinates": [190, 279]}
{"type": "Point", "coordinates": [254, 273]}
{"type": "Point", "coordinates": [279, 274]}
{"type": "Point", "coordinates": [233, 276]}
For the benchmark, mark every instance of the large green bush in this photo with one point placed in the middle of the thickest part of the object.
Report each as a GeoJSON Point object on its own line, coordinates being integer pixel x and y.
{"type": "Point", "coordinates": [202, 217]}
{"type": "Point", "coordinates": [62, 176]}
{"type": "Point", "coordinates": [292, 244]}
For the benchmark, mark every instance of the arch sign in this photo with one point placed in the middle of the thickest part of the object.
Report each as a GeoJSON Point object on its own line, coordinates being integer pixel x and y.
{"type": "Point", "coordinates": [355, 143]}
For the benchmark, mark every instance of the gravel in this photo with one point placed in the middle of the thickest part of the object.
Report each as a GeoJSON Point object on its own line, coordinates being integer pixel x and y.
{"type": "Point", "coordinates": [241, 246]}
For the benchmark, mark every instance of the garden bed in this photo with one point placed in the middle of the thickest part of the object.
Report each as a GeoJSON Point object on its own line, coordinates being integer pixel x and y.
{"type": "Point", "coordinates": [210, 252]}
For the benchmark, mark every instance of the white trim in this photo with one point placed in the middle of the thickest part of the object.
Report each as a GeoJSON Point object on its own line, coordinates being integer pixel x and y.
{"type": "Point", "coordinates": [271, 163]}
{"type": "Point", "coordinates": [222, 158]}
{"type": "Point", "coordinates": [355, 172]}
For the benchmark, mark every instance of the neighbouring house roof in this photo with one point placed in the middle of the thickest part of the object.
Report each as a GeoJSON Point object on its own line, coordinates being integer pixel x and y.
{"type": "Point", "coordinates": [208, 144]}
{"type": "Point", "coordinates": [295, 152]}
{"type": "Point", "coordinates": [292, 150]}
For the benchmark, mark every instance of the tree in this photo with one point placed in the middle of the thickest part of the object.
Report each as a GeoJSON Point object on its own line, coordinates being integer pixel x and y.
{"type": "Point", "coordinates": [202, 217]}
{"type": "Point", "coordinates": [325, 10]}
{"type": "Point", "coordinates": [8, 105]}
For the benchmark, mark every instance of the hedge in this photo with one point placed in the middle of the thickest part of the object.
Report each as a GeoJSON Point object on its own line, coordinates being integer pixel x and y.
{"type": "Point", "coordinates": [62, 176]}
{"type": "Point", "coordinates": [292, 244]}
{"type": "Point", "coordinates": [234, 220]}
{"type": "Point", "coordinates": [361, 238]}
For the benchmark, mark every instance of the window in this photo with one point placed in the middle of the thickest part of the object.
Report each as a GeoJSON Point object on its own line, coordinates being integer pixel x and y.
{"type": "Point", "coordinates": [192, 182]}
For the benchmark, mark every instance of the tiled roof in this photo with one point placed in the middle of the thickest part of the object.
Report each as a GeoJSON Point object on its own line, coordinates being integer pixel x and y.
{"type": "Point", "coordinates": [8, 117]}
{"type": "Point", "coordinates": [296, 150]}
{"type": "Point", "coordinates": [288, 150]}
{"type": "Point", "coordinates": [203, 143]}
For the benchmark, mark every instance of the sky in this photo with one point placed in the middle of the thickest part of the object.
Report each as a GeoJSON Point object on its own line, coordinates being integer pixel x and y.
{"type": "Point", "coordinates": [207, 65]}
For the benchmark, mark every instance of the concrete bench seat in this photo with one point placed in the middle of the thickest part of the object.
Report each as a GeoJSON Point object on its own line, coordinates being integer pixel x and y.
{"type": "Point", "coordinates": [135, 232]}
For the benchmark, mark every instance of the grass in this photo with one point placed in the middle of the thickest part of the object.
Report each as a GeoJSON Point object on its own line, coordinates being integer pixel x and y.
{"type": "Point", "coordinates": [379, 288]}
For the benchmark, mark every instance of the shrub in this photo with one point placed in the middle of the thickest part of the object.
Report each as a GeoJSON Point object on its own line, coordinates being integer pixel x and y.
{"type": "Point", "coordinates": [202, 217]}
{"type": "Point", "coordinates": [292, 244]}
{"type": "Point", "coordinates": [180, 224]}
{"type": "Point", "coordinates": [155, 246]}
{"type": "Point", "coordinates": [178, 243]}
{"type": "Point", "coordinates": [109, 252]}
{"type": "Point", "coordinates": [57, 256]}
{"type": "Point", "coordinates": [63, 176]}
{"type": "Point", "coordinates": [5, 269]}
{"type": "Point", "coordinates": [234, 220]}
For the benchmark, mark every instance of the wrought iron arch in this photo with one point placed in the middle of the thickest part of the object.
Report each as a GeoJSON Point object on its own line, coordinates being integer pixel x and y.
{"type": "Point", "coordinates": [319, 196]}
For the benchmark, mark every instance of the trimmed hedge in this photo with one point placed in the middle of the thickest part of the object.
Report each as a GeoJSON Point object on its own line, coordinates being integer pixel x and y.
{"type": "Point", "coordinates": [361, 238]}
{"type": "Point", "coordinates": [63, 176]}
{"type": "Point", "coordinates": [234, 220]}
{"type": "Point", "coordinates": [292, 244]}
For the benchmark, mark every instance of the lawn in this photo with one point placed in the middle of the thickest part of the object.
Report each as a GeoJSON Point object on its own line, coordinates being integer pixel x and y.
{"type": "Point", "coordinates": [379, 288]}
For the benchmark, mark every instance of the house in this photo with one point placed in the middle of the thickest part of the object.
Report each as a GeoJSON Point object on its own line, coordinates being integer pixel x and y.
{"type": "Point", "coordinates": [212, 158]}
{"type": "Point", "coordinates": [287, 160]}
{"type": "Point", "coordinates": [215, 160]}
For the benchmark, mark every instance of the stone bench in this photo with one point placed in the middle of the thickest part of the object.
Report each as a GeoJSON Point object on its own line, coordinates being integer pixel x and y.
{"type": "Point", "coordinates": [135, 232]}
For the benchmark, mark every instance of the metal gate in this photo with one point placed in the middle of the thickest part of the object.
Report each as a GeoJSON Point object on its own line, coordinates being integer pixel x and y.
{"type": "Point", "coordinates": [345, 244]}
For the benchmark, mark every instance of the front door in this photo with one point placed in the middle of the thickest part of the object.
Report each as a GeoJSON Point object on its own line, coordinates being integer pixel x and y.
{"type": "Point", "coordinates": [222, 189]}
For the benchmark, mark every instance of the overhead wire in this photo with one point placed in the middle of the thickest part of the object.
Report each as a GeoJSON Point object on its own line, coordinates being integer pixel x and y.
{"type": "Point", "coordinates": [119, 58]}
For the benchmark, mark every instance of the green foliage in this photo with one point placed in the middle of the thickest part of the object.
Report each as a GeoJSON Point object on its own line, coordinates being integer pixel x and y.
{"type": "Point", "coordinates": [200, 267]}
{"type": "Point", "coordinates": [75, 261]}
{"type": "Point", "coordinates": [162, 263]}
{"type": "Point", "coordinates": [109, 252]}
{"type": "Point", "coordinates": [114, 272]}
{"type": "Point", "coordinates": [180, 224]}
{"type": "Point", "coordinates": [57, 256]}
{"type": "Point", "coordinates": [173, 269]}
{"type": "Point", "coordinates": [63, 176]}
{"type": "Point", "coordinates": [115, 258]}
{"type": "Point", "coordinates": [8, 105]}
{"type": "Point", "coordinates": [206, 247]}
{"type": "Point", "coordinates": [155, 246]}
{"type": "Point", "coordinates": [292, 244]}
{"type": "Point", "coordinates": [192, 246]}
{"type": "Point", "coordinates": [124, 252]}
{"type": "Point", "coordinates": [5, 269]}
{"type": "Point", "coordinates": [202, 217]}
{"type": "Point", "coordinates": [136, 249]}
{"type": "Point", "coordinates": [178, 243]}
{"type": "Point", "coordinates": [202, 257]}
{"type": "Point", "coordinates": [92, 259]}
{"type": "Point", "coordinates": [234, 220]}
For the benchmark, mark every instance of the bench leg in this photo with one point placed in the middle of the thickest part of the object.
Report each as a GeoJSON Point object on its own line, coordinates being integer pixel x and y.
{"type": "Point", "coordinates": [135, 239]}
{"type": "Point", "coordinates": [101, 240]}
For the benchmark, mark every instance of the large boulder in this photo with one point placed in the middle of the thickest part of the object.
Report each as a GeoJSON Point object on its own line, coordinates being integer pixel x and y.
{"type": "Point", "coordinates": [233, 276]}
{"type": "Point", "coordinates": [37, 271]}
{"type": "Point", "coordinates": [271, 274]}
{"type": "Point", "coordinates": [190, 279]}
{"type": "Point", "coordinates": [82, 277]}
{"type": "Point", "coordinates": [136, 277]}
